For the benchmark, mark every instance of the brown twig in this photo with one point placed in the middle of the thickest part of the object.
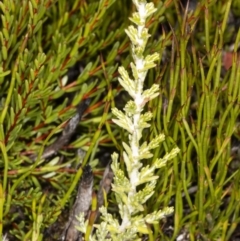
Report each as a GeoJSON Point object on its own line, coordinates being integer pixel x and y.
{"type": "Point", "coordinates": [67, 133]}
{"type": "Point", "coordinates": [81, 205]}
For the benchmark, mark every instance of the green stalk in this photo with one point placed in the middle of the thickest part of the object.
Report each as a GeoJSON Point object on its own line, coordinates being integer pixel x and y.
{"type": "Point", "coordinates": [226, 15]}
{"type": "Point", "coordinates": [206, 18]}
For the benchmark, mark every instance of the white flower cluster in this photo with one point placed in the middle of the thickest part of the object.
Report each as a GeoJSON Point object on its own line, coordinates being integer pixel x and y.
{"type": "Point", "coordinates": [130, 199]}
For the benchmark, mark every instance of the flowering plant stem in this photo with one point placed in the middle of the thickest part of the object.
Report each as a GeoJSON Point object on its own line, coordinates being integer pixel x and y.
{"type": "Point", "coordinates": [129, 197]}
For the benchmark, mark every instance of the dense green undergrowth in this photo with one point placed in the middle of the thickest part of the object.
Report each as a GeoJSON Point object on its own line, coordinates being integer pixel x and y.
{"type": "Point", "coordinates": [198, 110]}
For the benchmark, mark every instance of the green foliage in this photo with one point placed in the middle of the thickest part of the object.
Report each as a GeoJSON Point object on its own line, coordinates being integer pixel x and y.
{"type": "Point", "coordinates": [197, 109]}
{"type": "Point", "coordinates": [40, 41]}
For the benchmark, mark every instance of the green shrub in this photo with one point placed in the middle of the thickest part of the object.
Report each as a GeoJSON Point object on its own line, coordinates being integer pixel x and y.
{"type": "Point", "coordinates": [197, 110]}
